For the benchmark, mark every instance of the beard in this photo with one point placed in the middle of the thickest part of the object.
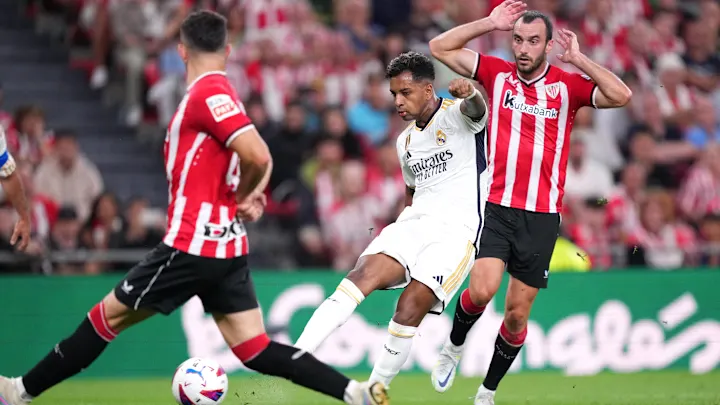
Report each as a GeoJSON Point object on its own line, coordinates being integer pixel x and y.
{"type": "Point", "coordinates": [535, 65]}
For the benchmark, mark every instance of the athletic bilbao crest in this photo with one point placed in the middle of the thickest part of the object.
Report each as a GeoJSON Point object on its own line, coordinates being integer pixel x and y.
{"type": "Point", "coordinates": [552, 90]}
{"type": "Point", "coordinates": [440, 138]}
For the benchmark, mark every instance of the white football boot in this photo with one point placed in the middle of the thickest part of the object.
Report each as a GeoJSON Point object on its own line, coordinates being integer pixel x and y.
{"type": "Point", "coordinates": [9, 392]}
{"type": "Point", "coordinates": [484, 396]}
{"type": "Point", "coordinates": [368, 393]}
{"type": "Point", "coordinates": [443, 374]}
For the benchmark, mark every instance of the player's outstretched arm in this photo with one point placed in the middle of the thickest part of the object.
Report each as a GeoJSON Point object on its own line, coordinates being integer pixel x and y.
{"type": "Point", "coordinates": [448, 46]}
{"type": "Point", "coordinates": [611, 91]}
{"type": "Point", "coordinates": [255, 163]}
{"type": "Point", "coordinates": [473, 104]}
{"type": "Point", "coordinates": [13, 187]}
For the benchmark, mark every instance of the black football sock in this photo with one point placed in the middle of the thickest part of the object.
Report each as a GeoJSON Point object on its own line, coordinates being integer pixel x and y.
{"type": "Point", "coordinates": [507, 347]}
{"type": "Point", "coordinates": [289, 363]}
{"type": "Point", "coordinates": [67, 358]}
{"type": "Point", "coordinates": [466, 314]}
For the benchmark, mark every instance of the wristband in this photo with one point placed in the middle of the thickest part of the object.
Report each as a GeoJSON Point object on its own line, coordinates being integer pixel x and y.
{"type": "Point", "coordinates": [475, 93]}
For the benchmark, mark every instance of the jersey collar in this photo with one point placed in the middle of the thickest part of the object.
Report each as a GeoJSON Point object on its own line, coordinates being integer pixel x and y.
{"type": "Point", "coordinates": [204, 75]}
{"type": "Point", "coordinates": [422, 128]}
{"type": "Point", "coordinates": [537, 79]}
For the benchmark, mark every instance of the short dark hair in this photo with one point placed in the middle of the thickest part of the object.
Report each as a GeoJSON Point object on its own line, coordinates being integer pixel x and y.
{"type": "Point", "coordinates": [532, 15]}
{"type": "Point", "coordinates": [416, 63]}
{"type": "Point", "coordinates": [204, 31]}
{"type": "Point", "coordinates": [65, 134]}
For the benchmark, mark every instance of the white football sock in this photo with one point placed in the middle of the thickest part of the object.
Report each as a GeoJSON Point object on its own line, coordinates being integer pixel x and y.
{"type": "Point", "coordinates": [395, 353]}
{"type": "Point", "coordinates": [351, 391]}
{"type": "Point", "coordinates": [330, 315]}
{"type": "Point", "coordinates": [21, 388]}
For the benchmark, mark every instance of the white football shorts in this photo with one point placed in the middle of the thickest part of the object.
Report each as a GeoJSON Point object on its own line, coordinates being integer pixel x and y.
{"type": "Point", "coordinates": [432, 253]}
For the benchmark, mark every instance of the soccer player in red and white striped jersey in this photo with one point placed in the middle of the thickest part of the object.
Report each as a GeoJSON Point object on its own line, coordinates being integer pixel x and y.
{"type": "Point", "coordinates": [532, 108]}
{"type": "Point", "coordinates": [204, 252]}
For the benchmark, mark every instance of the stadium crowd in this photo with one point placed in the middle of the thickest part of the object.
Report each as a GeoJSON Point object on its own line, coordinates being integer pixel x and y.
{"type": "Point", "coordinates": [643, 183]}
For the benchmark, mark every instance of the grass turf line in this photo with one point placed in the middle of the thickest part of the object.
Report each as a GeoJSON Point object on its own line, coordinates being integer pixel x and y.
{"type": "Point", "coordinates": [649, 388]}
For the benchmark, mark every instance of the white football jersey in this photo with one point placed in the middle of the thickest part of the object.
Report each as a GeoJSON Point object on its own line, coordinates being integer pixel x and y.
{"type": "Point", "coordinates": [7, 164]}
{"type": "Point", "coordinates": [445, 163]}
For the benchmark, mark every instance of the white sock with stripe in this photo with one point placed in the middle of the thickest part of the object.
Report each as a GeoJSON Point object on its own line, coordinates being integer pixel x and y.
{"type": "Point", "coordinates": [330, 315]}
{"type": "Point", "coordinates": [395, 353]}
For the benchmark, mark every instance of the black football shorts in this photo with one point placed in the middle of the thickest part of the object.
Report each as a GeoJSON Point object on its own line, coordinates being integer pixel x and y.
{"type": "Point", "coordinates": [524, 240]}
{"type": "Point", "coordinates": [167, 278]}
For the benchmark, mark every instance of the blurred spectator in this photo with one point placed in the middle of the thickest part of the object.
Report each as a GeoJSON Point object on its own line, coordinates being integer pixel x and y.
{"type": "Point", "coordinates": [28, 140]}
{"type": "Point", "coordinates": [422, 26]}
{"type": "Point", "coordinates": [289, 147]}
{"type": "Point", "coordinates": [649, 117]}
{"type": "Point", "coordinates": [267, 128]}
{"type": "Point", "coordinates": [624, 202]}
{"type": "Point", "coordinates": [345, 78]}
{"type": "Point", "coordinates": [675, 98]}
{"type": "Point", "coordinates": [140, 230]}
{"type": "Point", "coordinates": [599, 147]}
{"type": "Point", "coordinates": [321, 173]}
{"type": "Point", "coordinates": [385, 179]}
{"type": "Point", "coordinates": [710, 233]}
{"type": "Point", "coordinates": [143, 28]}
{"type": "Point", "coordinates": [5, 117]}
{"type": "Point", "coordinates": [352, 222]}
{"type": "Point", "coordinates": [707, 127]}
{"type": "Point", "coordinates": [44, 210]}
{"type": "Point", "coordinates": [661, 242]}
{"type": "Point", "coordinates": [272, 77]}
{"type": "Point", "coordinates": [701, 56]}
{"type": "Point", "coordinates": [68, 177]}
{"type": "Point", "coordinates": [353, 18]}
{"type": "Point", "coordinates": [585, 178]}
{"type": "Point", "coordinates": [370, 117]}
{"type": "Point", "coordinates": [589, 231]}
{"type": "Point", "coordinates": [665, 23]}
{"type": "Point", "coordinates": [700, 193]}
{"type": "Point", "coordinates": [335, 125]}
{"type": "Point", "coordinates": [65, 237]}
{"type": "Point", "coordinates": [659, 158]}
{"type": "Point", "coordinates": [103, 230]}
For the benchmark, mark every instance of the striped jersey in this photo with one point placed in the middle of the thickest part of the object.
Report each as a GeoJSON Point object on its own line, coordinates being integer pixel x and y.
{"type": "Point", "coordinates": [202, 173]}
{"type": "Point", "coordinates": [529, 132]}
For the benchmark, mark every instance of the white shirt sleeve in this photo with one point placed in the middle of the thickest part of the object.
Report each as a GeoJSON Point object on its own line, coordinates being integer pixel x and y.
{"type": "Point", "coordinates": [408, 175]}
{"type": "Point", "coordinates": [461, 120]}
{"type": "Point", "coordinates": [7, 163]}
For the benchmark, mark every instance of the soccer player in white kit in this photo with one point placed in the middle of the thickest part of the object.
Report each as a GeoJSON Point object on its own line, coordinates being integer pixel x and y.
{"type": "Point", "coordinates": [431, 247]}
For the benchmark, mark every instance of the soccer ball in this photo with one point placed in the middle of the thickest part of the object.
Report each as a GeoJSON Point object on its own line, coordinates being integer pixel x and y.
{"type": "Point", "coordinates": [199, 382]}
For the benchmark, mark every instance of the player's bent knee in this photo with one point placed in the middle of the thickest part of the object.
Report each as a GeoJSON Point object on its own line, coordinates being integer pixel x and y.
{"type": "Point", "coordinates": [481, 292]}
{"type": "Point", "coordinates": [414, 303]}
{"type": "Point", "coordinates": [240, 327]}
{"type": "Point", "coordinates": [118, 316]}
{"type": "Point", "coordinates": [375, 272]}
{"type": "Point", "coordinates": [516, 319]}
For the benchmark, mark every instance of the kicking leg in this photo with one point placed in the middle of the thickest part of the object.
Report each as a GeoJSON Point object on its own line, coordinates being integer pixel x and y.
{"type": "Point", "coordinates": [371, 273]}
{"type": "Point", "coordinates": [245, 334]}
{"type": "Point", "coordinates": [415, 302]}
{"type": "Point", "coordinates": [485, 280]}
{"type": "Point", "coordinates": [76, 352]}
{"type": "Point", "coordinates": [511, 337]}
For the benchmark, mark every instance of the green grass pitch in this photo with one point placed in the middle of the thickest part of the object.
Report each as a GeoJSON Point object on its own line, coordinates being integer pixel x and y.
{"type": "Point", "coordinates": [650, 388]}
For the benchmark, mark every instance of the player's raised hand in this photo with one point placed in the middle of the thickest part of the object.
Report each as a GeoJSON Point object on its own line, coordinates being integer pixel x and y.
{"type": "Point", "coordinates": [505, 15]}
{"type": "Point", "coordinates": [568, 40]}
{"type": "Point", "coordinates": [461, 88]}
{"type": "Point", "coordinates": [21, 235]}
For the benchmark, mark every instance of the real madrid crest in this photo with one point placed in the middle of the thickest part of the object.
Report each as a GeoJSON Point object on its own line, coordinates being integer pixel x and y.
{"type": "Point", "coordinates": [440, 137]}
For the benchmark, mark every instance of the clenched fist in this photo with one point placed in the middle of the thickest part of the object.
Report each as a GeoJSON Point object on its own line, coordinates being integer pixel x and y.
{"type": "Point", "coordinates": [461, 88]}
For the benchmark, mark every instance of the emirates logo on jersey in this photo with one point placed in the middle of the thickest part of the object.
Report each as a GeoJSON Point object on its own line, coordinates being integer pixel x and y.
{"type": "Point", "coordinates": [515, 102]}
